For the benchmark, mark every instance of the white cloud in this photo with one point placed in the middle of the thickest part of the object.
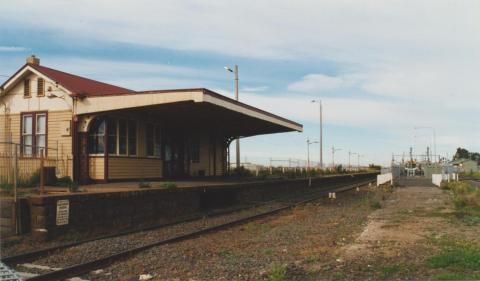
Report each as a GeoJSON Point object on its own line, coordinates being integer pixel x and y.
{"type": "Point", "coordinates": [12, 49]}
{"type": "Point", "coordinates": [339, 30]}
{"type": "Point", "coordinates": [254, 89]}
{"type": "Point", "coordinates": [317, 83]}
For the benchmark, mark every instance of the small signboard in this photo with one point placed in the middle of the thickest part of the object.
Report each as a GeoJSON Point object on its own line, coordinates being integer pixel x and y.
{"type": "Point", "coordinates": [63, 211]}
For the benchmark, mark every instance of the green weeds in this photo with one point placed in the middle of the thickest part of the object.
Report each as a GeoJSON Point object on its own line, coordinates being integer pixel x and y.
{"type": "Point", "coordinates": [143, 184]}
{"type": "Point", "coordinates": [169, 185]}
{"type": "Point", "coordinates": [277, 273]}
{"type": "Point", "coordinates": [460, 260]}
{"type": "Point", "coordinates": [467, 201]}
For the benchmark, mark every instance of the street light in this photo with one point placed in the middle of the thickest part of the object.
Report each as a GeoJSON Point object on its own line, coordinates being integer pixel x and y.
{"type": "Point", "coordinates": [308, 152]}
{"type": "Point", "coordinates": [434, 139]}
{"type": "Point", "coordinates": [321, 130]}
{"type": "Point", "coordinates": [235, 73]}
{"type": "Point", "coordinates": [333, 155]}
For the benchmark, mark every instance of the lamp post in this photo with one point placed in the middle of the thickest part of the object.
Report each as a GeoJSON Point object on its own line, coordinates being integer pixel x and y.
{"type": "Point", "coordinates": [333, 156]}
{"type": "Point", "coordinates": [434, 140]}
{"type": "Point", "coordinates": [235, 73]}
{"type": "Point", "coordinates": [308, 152]}
{"type": "Point", "coordinates": [321, 130]}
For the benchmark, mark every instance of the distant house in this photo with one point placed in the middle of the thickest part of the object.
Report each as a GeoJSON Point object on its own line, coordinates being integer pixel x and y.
{"type": "Point", "coordinates": [465, 165]}
{"type": "Point", "coordinates": [97, 132]}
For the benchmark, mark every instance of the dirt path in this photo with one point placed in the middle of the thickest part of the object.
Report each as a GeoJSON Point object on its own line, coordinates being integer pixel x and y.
{"type": "Point", "coordinates": [399, 238]}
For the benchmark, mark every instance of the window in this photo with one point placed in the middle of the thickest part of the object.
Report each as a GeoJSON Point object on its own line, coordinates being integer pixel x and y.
{"type": "Point", "coordinates": [27, 134]}
{"type": "Point", "coordinates": [40, 87]}
{"type": "Point", "coordinates": [195, 150]}
{"type": "Point", "coordinates": [26, 88]}
{"type": "Point", "coordinates": [41, 134]}
{"type": "Point", "coordinates": [122, 137]}
{"type": "Point", "coordinates": [34, 134]}
{"type": "Point", "coordinates": [132, 137]}
{"type": "Point", "coordinates": [150, 139]}
{"type": "Point", "coordinates": [96, 137]}
{"type": "Point", "coordinates": [158, 148]}
{"type": "Point", "coordinates": [112, 136]}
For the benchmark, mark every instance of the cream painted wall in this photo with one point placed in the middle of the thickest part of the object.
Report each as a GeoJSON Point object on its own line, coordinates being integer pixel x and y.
{"type": "Point", "coordinates": [59, 115]}
{"type": "Point", "coordinates": [16, 103]}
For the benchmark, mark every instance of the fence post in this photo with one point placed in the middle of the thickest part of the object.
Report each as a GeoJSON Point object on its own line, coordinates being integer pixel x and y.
{"type": "Point", "coordinates": [15, 174]}
{"type": "Point", "coordinates": [42, 183]}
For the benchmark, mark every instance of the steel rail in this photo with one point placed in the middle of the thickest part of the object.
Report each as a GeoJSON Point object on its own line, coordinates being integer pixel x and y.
{"type": "Point", "coordinates": [83, 268]}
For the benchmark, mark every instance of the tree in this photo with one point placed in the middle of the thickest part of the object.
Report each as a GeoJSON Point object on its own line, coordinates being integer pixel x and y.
{"type": "Point", "coordinates": [461, 153]}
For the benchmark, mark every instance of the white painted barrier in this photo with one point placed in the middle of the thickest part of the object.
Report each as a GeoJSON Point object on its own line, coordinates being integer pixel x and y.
{"type": "Point", "coordinates": [437, 179]}
{"type": "Point", "coordinates": [384, 178]}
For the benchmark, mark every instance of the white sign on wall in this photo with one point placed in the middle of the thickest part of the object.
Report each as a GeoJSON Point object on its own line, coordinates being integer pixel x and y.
{"type": "Point", "coordinates": [63, 211]}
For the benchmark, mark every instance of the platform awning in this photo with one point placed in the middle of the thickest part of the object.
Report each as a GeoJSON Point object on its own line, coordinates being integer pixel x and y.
{"type": "Point", "coordinates": [192, 108]}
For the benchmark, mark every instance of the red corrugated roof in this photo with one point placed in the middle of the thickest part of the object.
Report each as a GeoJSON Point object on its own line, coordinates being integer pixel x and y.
{"type": "Point", "coordinates": [80, 85]}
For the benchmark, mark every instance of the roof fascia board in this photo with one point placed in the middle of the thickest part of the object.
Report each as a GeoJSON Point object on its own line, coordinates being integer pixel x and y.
{"type": "Point", "coordinates": [117, 102]}
{"type": "Point", "coordinates": [250, 112]}
{"type": "Point", "coordinates": [13, 80]}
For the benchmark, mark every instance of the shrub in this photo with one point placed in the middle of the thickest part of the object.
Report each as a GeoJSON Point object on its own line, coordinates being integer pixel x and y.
{"type": "Point", "coordinates": [64, 181]}
{"type": "Point", "coordinates": [143, 184]}
{"type": "Point", "coordinates": [169, 185]}
{"type": "Point", "coordinates": [241, 172]}
{"type": "Point", "coordinates": [6, 186]}
{"type": "Point", "coordinates": [29, 181]}
{"type": "Point", "coordinates": [464, 194]}
{"type": "Point", "coordinates": [375, 205]}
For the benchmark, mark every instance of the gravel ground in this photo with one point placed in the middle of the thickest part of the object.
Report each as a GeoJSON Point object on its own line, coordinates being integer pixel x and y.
{"type": "Point", "coordinates": [305, 236]}
{"type": "Point", "coordinates": [99, 248]}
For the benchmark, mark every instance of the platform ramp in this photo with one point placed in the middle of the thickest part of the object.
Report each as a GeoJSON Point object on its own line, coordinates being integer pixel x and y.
{"type": "Point", "coordinates": [413, 181]}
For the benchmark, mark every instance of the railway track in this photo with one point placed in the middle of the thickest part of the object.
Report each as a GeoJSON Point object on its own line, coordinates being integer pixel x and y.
{"type": "Point", "coordinates": [59, 270]}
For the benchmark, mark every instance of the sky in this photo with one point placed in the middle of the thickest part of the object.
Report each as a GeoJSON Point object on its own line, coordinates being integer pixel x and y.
{"type": "Point", "coordinates": [381, 68]}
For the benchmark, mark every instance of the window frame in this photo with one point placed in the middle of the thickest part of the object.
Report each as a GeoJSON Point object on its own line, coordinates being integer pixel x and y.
{"type": "Point", "coordinates": [89, 136]}
{"type": "Point", "coordinates": [33, 115]}
{"type": "Point", "coordinates": [107, 135]}
{"type": "Point", "coordinates": [27, 88]}
{"type": "Point", "coordinates": [129, 137]}
{"type": "Point", "coordinates": [119, 120]}
{"type": "Point", "coordinates": [40, 87]}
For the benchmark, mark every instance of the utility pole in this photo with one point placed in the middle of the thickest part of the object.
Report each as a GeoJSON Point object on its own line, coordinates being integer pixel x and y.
{"type": "Point", "coordinates": [333, 155]}
{"type": "Point", "coordinates": [235, 73]}
{"type": "Point", "coordinates": [358, 161]}
{"type": "Point", "coordinates": [321, 130]}
{"type": "Point", "coordinates": [349, 156]}
{"type": "Point", "coordinates": [434, 141]}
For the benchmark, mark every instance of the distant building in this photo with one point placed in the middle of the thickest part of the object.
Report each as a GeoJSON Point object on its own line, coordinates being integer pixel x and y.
{"type": "Point", "coordinates": [466, 166]}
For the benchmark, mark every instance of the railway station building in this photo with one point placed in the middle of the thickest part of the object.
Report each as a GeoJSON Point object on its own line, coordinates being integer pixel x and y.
{"type": "Point", "coordinates": [96, 132]}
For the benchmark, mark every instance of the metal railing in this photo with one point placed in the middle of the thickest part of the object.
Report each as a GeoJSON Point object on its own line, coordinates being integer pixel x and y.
{"type": "Point", "coordinates": [21, 165]}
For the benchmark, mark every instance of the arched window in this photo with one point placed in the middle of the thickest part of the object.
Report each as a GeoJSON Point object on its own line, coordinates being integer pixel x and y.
{"type": "Point", "coordinates": [96, 137]}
